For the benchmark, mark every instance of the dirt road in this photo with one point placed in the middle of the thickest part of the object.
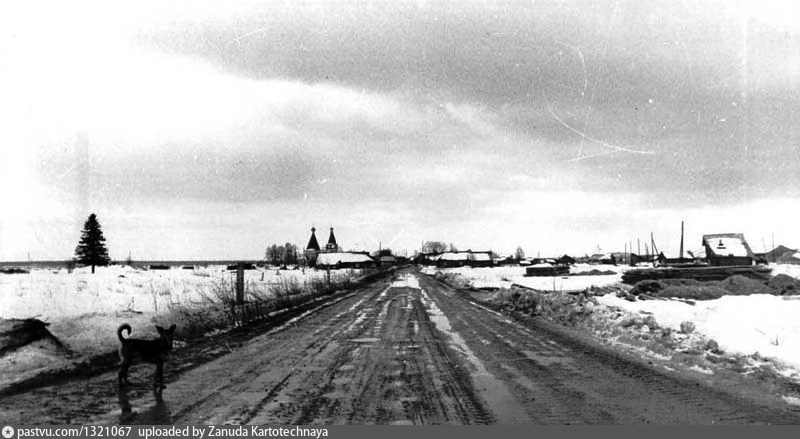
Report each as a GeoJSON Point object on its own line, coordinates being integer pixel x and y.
{"type": "Point", "coordinates": [405, 350]}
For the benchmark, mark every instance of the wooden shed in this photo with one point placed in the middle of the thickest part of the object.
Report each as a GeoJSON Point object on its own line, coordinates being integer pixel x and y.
{"type": "Point", "coordinates": [727, 249]}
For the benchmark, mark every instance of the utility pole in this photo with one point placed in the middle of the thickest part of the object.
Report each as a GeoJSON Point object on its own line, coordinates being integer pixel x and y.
{"type": "Point", "coordinates": [773, 247]}
{"type": "Point", "coordinates": [653, 245]}
{"type": "Point", "coordinates": [680, 255]}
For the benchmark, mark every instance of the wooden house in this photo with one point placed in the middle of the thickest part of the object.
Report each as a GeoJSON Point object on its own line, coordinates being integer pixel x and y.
{"type": "Point", "coordinates": [566, 260]}
{"type": "Point", "coordinates": [727, 249]}
{"type": "Point", "coordinates": [603, 258]}
{"type": "Point", "coordinates": [333, 261]}
{"type": "Point", "coordinates": [387, 260]}
{"type": "Point", "coordinates": [480, 259]}
{"type": "Point", "coordinates": [452, 259]}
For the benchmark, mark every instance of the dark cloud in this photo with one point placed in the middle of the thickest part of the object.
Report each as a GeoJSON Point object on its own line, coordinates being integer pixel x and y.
{"type": "Point", "coordinates": [690, 82]}
{"type": "Point", "coordinates": [452, 112]}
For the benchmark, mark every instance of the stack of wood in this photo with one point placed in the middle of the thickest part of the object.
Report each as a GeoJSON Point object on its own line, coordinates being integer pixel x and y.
{"type": "Point", "coordinates": [547, 270]}
{"type": "Point", "coordinates": [758, 272]}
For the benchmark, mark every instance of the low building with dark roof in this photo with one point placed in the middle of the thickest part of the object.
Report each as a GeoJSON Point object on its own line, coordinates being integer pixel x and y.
{"type": "Point", "coordinates": [339, 260]}
{"type": "Point", "coordinates": [727, 249]}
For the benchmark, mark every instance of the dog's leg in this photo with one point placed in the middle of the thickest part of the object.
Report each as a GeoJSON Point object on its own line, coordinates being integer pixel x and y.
{"type": "Point", "coordinates": [122, 375]}
{"type": "Point", "coordinates": [159, 376]}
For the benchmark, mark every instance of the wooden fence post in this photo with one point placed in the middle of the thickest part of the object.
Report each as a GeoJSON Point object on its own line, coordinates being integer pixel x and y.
{"type": "Point", "coordinates": [240, 290]}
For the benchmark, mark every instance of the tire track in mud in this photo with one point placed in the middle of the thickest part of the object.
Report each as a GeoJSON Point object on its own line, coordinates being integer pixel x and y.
{"type": "Point", "coordinates": [96, 399]}
{"type": "Point", "coordinates": [372, 359]}
{"type": "Point", "coordinates": [283, 367]}
{"type": "Point", "coordinates": [390, 368]}
{"type": "Point", "coordinates": [563, 380]}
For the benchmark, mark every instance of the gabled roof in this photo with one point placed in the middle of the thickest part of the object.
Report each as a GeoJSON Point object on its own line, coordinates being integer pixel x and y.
{"type": "Point", "coordinates": [727, 244]}
{"type": "Point", "coordinates": [454, 256]}
{"type": "Point", "coordinates": [335, 258]}
{"type": "Point", "coordinates": [480, 256]}
{"type": "Point", "coordinates": [312, 243]}
{"type": "Point", "coordinates": [468, 255]}
{"type": "Point", "coordinates": [780, 251]}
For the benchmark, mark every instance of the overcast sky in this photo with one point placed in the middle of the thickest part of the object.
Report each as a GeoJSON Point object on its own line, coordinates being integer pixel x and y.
{"type": "Point", "coordinates": [210, 130]}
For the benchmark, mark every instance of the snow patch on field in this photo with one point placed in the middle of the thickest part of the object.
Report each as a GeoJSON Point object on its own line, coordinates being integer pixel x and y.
{"type": "Point", "coordinates": [759, 323]}
{"type": "Point", "coordinates": [792, 400]}
{"type": "Point", "coordinates": [702, 370]}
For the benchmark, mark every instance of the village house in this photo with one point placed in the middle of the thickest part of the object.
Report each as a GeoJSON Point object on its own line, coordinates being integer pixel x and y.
{"type": "Point", "coordinates": [481, 259]}
{"type": "Point", "coordinates": [790, 258]}
{"type": "Point", "coordinates": [781, 254]}
{"type": "Point", "coordinates": [467, 258]}
{"type": "Point", "coordinates": [727, 249]}
{"type": "Point", "coordinates": [386, 258]}
{"type": "Point", "coordinates": [603, 258]}
{"type": "Point", "coordinates": [452, 259]}
{"type": "Point", "coordinates": [335, 261]}
{"type": "Point", "coordinates": [426, 258]}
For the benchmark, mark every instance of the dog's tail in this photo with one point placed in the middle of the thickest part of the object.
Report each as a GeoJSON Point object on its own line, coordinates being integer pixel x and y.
{"type": "Point", "coordinates": [123, 327]}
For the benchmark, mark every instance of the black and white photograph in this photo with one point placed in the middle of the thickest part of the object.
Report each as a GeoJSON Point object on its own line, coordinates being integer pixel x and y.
{"type": "Point", "coordinates": [399, 212]}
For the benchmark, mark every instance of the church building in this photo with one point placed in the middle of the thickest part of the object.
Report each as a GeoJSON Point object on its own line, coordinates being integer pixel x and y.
{"type": "Point", "coordinates": [331, 257]}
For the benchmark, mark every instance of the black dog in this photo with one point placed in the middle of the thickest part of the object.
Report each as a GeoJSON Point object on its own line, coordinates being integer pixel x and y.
{"type": "Point", "coordinates": [152, 351]}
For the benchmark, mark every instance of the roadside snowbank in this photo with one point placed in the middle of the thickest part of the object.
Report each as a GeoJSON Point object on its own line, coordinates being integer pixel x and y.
{"type": "Point", "coordinates": [746, 325]}
{"type": "Point", "coordinates": [752, 331]}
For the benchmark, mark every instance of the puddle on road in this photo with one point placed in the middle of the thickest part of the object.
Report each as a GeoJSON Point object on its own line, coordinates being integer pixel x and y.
{"type": "Point", "coordinates": [407, 281]}
{"type": "Point", "coordinates": [365, 340]}
{"type": "Point", "coordinates": [359, 319]}
{"type": "Point", "coordinates": [505, 407]}
{"type": "Point", "coordinates": [548, 360]}
{"type": "Point", "coordinates": [383, 293]}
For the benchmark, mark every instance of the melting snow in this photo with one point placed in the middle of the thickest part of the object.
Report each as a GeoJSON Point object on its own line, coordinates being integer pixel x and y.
{"type": "Point", "coordinates": [793, 400]}
{"type": "Point", "coordinates": [407, 281]}
{"type": "Point", "coordinates": [745, 325]}
{"type": "Point", "coordinates": [497, 393]}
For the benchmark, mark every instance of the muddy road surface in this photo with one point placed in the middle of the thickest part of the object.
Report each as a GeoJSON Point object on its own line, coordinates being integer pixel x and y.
{"type": "Point", "coordinates": [404, 350]}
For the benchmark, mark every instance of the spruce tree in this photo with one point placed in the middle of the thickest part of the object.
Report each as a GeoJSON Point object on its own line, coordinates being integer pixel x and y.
{"type": "Point", "coordinates": [91, 249]}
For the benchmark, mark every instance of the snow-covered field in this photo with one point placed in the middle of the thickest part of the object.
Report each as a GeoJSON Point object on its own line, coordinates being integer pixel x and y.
{"type": "Point", "coordinates": [503, 277]}
{"type": "Point", "coordinates": [56, 294]}
{"type": "Point", "coordinates": [85, 309]}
